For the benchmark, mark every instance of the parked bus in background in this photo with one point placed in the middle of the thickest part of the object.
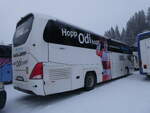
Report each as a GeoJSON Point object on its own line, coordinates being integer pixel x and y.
{"type": "Point", "coordinates": [5, 64]}
{"type": "Point", "coordinates": [3, 95]}
{"type": "Point", "coordinates": [135, 58]}
{"type": "Point", "coordinates": [144, 52]}
{"type": "Point", "coordinates": [5, 71]}
{"type": "Point", "coordinates": [50, 56]}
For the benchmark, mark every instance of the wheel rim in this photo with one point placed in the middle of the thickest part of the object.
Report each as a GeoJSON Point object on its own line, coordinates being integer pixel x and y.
{"type": "Point", "coordinates": [90, 81]}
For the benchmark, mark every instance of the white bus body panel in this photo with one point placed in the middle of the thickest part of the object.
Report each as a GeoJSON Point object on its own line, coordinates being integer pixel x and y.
{"type": "Point", "coordinates": [71, 62]}
{"type": "Point", "coordinates": [64, 66]}
{"type": "Point", "coordinates": [33, 47]}
{"type": "Point", "coordinates": [145, 54]}
{"type": "Point", "coordinates": [119, 62]}
{"type": "Point", "coordinates": [57, 78]}
{"type": "Point", "coordinates": [73, 55]}
{"type": "Point", "coordinates": [60, 78]}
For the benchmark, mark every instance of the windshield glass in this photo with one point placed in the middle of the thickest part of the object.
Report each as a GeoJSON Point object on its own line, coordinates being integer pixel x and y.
{"type": "Point", "coordinates": [5, 51]}
{"type": "Point", "coordinates": [23, 30]}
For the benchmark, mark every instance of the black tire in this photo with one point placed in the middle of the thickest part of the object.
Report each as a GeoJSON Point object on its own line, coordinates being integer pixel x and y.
{"type": "Point", "coordinates": [3, 97]}
{"type": "Point", "coordinates": [90, 81]}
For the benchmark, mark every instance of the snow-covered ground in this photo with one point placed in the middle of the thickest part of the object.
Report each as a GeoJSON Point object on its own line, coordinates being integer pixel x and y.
{"type": "Point", "coordinates": [127, 95]}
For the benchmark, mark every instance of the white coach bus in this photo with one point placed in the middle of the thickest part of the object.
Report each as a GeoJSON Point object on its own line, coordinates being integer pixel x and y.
{"type": "Point", "coordinates": [50, 56]}
{"type": "Point", "coordinates": [144, 52]}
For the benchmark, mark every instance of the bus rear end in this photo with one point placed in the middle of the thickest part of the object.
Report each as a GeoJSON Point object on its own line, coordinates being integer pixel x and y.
{"type": "Point", "coordinates": [144, 53]}
{"type": "Point", "coordinates": [26, 57]}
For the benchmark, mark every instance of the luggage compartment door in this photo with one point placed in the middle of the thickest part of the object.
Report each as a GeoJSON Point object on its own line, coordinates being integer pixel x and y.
{"type": "Point", "coordinates": [56, 79]}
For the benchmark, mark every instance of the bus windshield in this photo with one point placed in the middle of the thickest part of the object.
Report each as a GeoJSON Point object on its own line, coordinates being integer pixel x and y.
{"type": "Point", "coordinates": [23, 30]}
{"type": "Point", "coordinates": [5, 51]}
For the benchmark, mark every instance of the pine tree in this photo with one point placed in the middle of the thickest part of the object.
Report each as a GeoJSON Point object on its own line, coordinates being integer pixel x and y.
{"type": "Point", "coordinates": [117, 33]}
{"type": "Point", "coordinates": [135, 25]}
{"type": "Point", "coordinates": [123, 35]}
{"type": "Point", "coordinates": [129, 30]}
{"type": "Point", "coordinates": [110, 33]}
{"type": "Point", "coordinates": [107, 34]}
{"type": "Point", "coordinates": [148, 18]}
{"type": "Point", "coordinates": [138, 23]}
{"type": "Point", "coordinates": [142, 25]}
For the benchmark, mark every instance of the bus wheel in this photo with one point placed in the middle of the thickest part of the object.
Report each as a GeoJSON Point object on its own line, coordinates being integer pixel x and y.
{"type": "Point", "coordinates": [2, 99]}
{"type": "Point", "coordinates": [90, 81]}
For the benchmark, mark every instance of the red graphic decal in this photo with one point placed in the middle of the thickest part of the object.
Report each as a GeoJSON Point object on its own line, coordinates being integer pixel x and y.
{"type": "Point", "coordinates": [106, 77]}
{"type": "Point", "coordinates": [106, 64]}
{"type": "Point", "coordinates": [102, 51]}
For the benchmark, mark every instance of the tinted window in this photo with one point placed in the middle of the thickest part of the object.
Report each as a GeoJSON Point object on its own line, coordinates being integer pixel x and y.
{"type": "Point", "coordinates": [5, 51]}
{"type": "Point", "coordinates": [61, 33]}
{"type": "Point", "coordinates": [23, 30]}
{"type": "Point", "coordinates": [118, 47]}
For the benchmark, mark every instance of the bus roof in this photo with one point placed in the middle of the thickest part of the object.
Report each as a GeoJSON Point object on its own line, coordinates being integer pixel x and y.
{"type": "Point", "coordinates": [38, 15]}
{"type": "Point", "coordinates": [117, 41]}
{"type": "Point", "coordinates": [55, 19]}
{"type": "Point", "coordinates": [143, 35]}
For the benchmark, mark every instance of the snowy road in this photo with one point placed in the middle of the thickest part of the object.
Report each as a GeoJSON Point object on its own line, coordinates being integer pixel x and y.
{"type": "Point", "coordinates": [126, 95]}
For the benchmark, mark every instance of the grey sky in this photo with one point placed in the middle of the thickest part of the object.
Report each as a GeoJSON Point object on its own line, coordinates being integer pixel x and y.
{"type": "Point", "coordinates": [94, 15]}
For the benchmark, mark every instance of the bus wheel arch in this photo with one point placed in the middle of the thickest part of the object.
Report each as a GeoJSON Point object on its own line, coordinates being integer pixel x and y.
{"type": "Point", "coordinates": [90, 80]}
